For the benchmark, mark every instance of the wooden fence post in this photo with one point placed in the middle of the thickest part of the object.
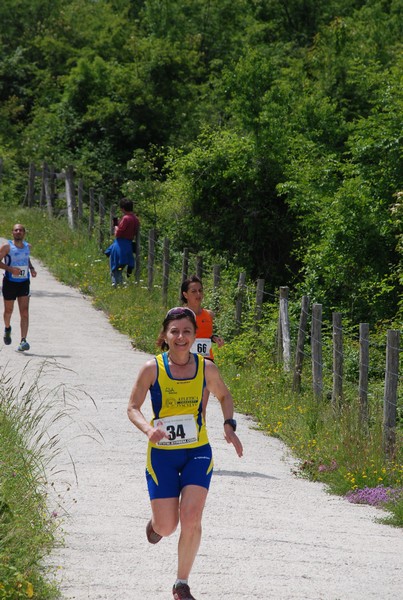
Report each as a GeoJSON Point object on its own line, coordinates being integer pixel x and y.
{"type": "Point", "coordinates": [239, 301]}
{"type": "Point", "coordinates": [138, 252]}
{"type": "Point", "coordinates": [185, 264]}
{"type": "Point", "coordinates": [165, 273]}
{"type": "Point", "coordinates": [299, 352]}
{"type": "Point", "coordinates": [52, 184]}
{"type": "Point", "coordinates": [390, 394]}
{"type": "Point", "coordinates": [259, 301]}
{"type": "Point", "coordinates": [216, 277]}
{"type": "Point", "coordinates": [70, 197]}
{"type": "Point", "coordinates": [112, 212]}
{"type": "Point", "coordinates": [42, 194]}
{"type": "Point", "coordinates": [185, 271]}
{"type": "Point", "coordinates": [47, 189]}
{"type": "Point", "coordinates": [101, 212]}
{"type": "Point", "coordinates": [279, 338]}
{"type": "Point", "coordinates": [199, 267]}
{"type": "Point", "coordinates": [316, 349]}
{"type": "Point", "coordinates": [363, 374]}
{"type": "Point", "coordinates": [80, 199]}
{"type": "Point", "coordinates": [91, 218]}
{"type": "Point", "coordinates": [31, 185]}
{"type": "Point", "coordinates": [151, 258]}
{"type": "Point", "coordinates": [337, 392]}
{"type": "Point", "coordinates": [285, 328]}
{"type": "Point", "coordinates": [216, 288]}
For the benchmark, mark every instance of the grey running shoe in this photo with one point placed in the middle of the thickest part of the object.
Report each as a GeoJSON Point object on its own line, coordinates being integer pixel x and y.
{"type": "Point", "coordinates": [7, 336]}
{"type": "Point", "coordinates": [182, 592]}
{"type": "Point", "coordinates": [23, 345]}
{"type": "Point", "coordinates": [152, 536]}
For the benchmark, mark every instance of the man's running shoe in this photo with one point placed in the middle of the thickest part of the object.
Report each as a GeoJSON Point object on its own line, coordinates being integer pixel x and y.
{"type": "Point", "coordinates": [23, 345]}
{"type": "Point", "coordinates": [7, 336]}
{"type": "Point", "coordinates": [182, 592]}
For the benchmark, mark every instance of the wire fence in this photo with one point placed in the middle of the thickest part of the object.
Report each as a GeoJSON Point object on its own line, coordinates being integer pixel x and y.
{"type": "Point", "coordinates": [298, 341]}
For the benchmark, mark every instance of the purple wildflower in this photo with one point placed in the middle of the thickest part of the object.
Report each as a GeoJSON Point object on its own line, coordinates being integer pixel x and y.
{"type": "Point", "coordinates": [375, 496]}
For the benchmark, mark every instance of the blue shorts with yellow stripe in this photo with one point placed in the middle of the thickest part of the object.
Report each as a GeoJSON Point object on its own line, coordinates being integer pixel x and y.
{"type": "Point", "coordinates": [169, 471]}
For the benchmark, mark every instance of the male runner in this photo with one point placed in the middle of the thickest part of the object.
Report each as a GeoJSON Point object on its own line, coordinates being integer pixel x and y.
{"type": "Point", "coordinates": [15, 260]}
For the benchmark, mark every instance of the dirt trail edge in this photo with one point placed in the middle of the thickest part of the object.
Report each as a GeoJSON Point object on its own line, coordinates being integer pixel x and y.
{"type": "Point", "coordinates": [267, 534]}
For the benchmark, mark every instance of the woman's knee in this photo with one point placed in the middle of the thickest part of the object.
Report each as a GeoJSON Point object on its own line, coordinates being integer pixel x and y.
{"type": "Point", "coordinates": [191, 516]}
{"type": "Point", "coordinates": [165, 515]}
{"type": "Point", "coordinates": [165, 526]}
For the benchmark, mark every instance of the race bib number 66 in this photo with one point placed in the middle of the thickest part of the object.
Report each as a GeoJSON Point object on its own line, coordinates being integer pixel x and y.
{"type": "Point", "coordinates": [201, 346]}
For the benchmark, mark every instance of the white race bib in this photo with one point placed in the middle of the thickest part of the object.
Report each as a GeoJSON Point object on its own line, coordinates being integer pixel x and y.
{"type": "Point", "coordinates": [180, 429]}
{"type": "Point", "coordinates": [201, 346]}
{"type": "Point", "coordinates": [23, 272]}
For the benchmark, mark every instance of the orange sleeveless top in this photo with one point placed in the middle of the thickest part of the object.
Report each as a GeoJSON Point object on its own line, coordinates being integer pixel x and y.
{"type": "Point", "coordinates": [203, 343]}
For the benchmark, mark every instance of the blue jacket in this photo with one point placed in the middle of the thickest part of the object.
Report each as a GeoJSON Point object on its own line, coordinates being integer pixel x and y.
{"type": "Point", "coordinates": [120, 254]}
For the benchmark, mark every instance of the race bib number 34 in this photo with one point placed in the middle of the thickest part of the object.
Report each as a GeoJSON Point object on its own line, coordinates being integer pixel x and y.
{"type": "Point", "coordinates": [180, 429]}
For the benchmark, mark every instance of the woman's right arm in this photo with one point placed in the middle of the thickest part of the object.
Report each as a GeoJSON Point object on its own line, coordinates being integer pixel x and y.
{"type": "Point", "coordinates": [145, 379]}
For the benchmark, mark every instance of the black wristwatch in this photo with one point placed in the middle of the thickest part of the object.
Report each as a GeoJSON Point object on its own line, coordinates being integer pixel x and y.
{"type": "Point", "coordinates": [231, 422]}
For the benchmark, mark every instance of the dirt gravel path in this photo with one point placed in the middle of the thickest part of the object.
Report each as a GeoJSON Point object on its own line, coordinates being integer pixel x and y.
{"type": "Point", "coordinates": [267, 534]}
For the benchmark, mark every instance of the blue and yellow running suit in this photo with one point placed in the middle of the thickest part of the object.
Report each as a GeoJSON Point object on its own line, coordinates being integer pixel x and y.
{"type": "Point", "coordinates": [186, 457]}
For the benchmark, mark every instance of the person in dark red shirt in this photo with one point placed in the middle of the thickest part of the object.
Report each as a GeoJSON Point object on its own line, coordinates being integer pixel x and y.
{"type": "Point", "coordinates": [120, 252]}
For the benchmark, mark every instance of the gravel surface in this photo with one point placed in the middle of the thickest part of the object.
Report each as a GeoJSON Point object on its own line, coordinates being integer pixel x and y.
{"type": "Point", "coordinates": [267, 533]}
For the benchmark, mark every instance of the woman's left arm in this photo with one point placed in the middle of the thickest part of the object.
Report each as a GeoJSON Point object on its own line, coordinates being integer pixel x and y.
{"type": "Point", "coordinates": [217, 387]}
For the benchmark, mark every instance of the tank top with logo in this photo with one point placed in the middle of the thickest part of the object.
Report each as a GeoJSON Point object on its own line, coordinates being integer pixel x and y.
{"type": "Point", "coordinates": [18, 257]}
{"type": "Point", "coordinates": [177, 406]}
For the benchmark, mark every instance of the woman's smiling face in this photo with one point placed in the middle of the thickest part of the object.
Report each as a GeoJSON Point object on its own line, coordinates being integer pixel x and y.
{"type": "Point", "coordinates": [180, 334]}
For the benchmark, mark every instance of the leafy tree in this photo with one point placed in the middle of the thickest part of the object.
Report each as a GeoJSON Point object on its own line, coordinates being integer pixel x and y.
{"type": "Point", "coordinates": [144, 186]}
{"type": "Point", "coordinates": [234, 208]}
{"type": "Point", "coordinates": [266, 131]}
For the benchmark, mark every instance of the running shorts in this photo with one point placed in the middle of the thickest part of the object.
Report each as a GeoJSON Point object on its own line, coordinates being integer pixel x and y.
{"type": "Point", "coordinates": [169, 471]}
{"type": "Point", "coordinates": [14, 289]}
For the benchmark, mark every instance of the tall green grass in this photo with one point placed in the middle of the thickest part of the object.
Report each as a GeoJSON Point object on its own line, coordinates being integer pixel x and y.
{"type": "Point", "coordinates": [332, 448]}
{"type": "Point", "coordinates": [28, 530]}
{"type": "Point", "coordinates": [33, 489]}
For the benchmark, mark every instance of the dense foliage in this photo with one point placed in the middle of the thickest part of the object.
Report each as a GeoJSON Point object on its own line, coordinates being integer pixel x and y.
{"type": "Point", "coordinates": [266, 131]}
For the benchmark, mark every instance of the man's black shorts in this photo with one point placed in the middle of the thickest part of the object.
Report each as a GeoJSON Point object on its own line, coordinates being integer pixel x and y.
{"type": "Point", "coordinates": [14, 289]}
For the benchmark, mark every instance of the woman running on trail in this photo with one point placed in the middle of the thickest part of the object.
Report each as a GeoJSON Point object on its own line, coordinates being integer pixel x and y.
{"type": "Point", "coordinates": [179, 456]}
{"type": "Point", "coordinates": [192, 295]}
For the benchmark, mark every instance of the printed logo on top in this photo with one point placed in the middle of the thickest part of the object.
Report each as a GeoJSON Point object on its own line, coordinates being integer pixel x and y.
{"type": "Point", "coordinates": [170, 390]}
